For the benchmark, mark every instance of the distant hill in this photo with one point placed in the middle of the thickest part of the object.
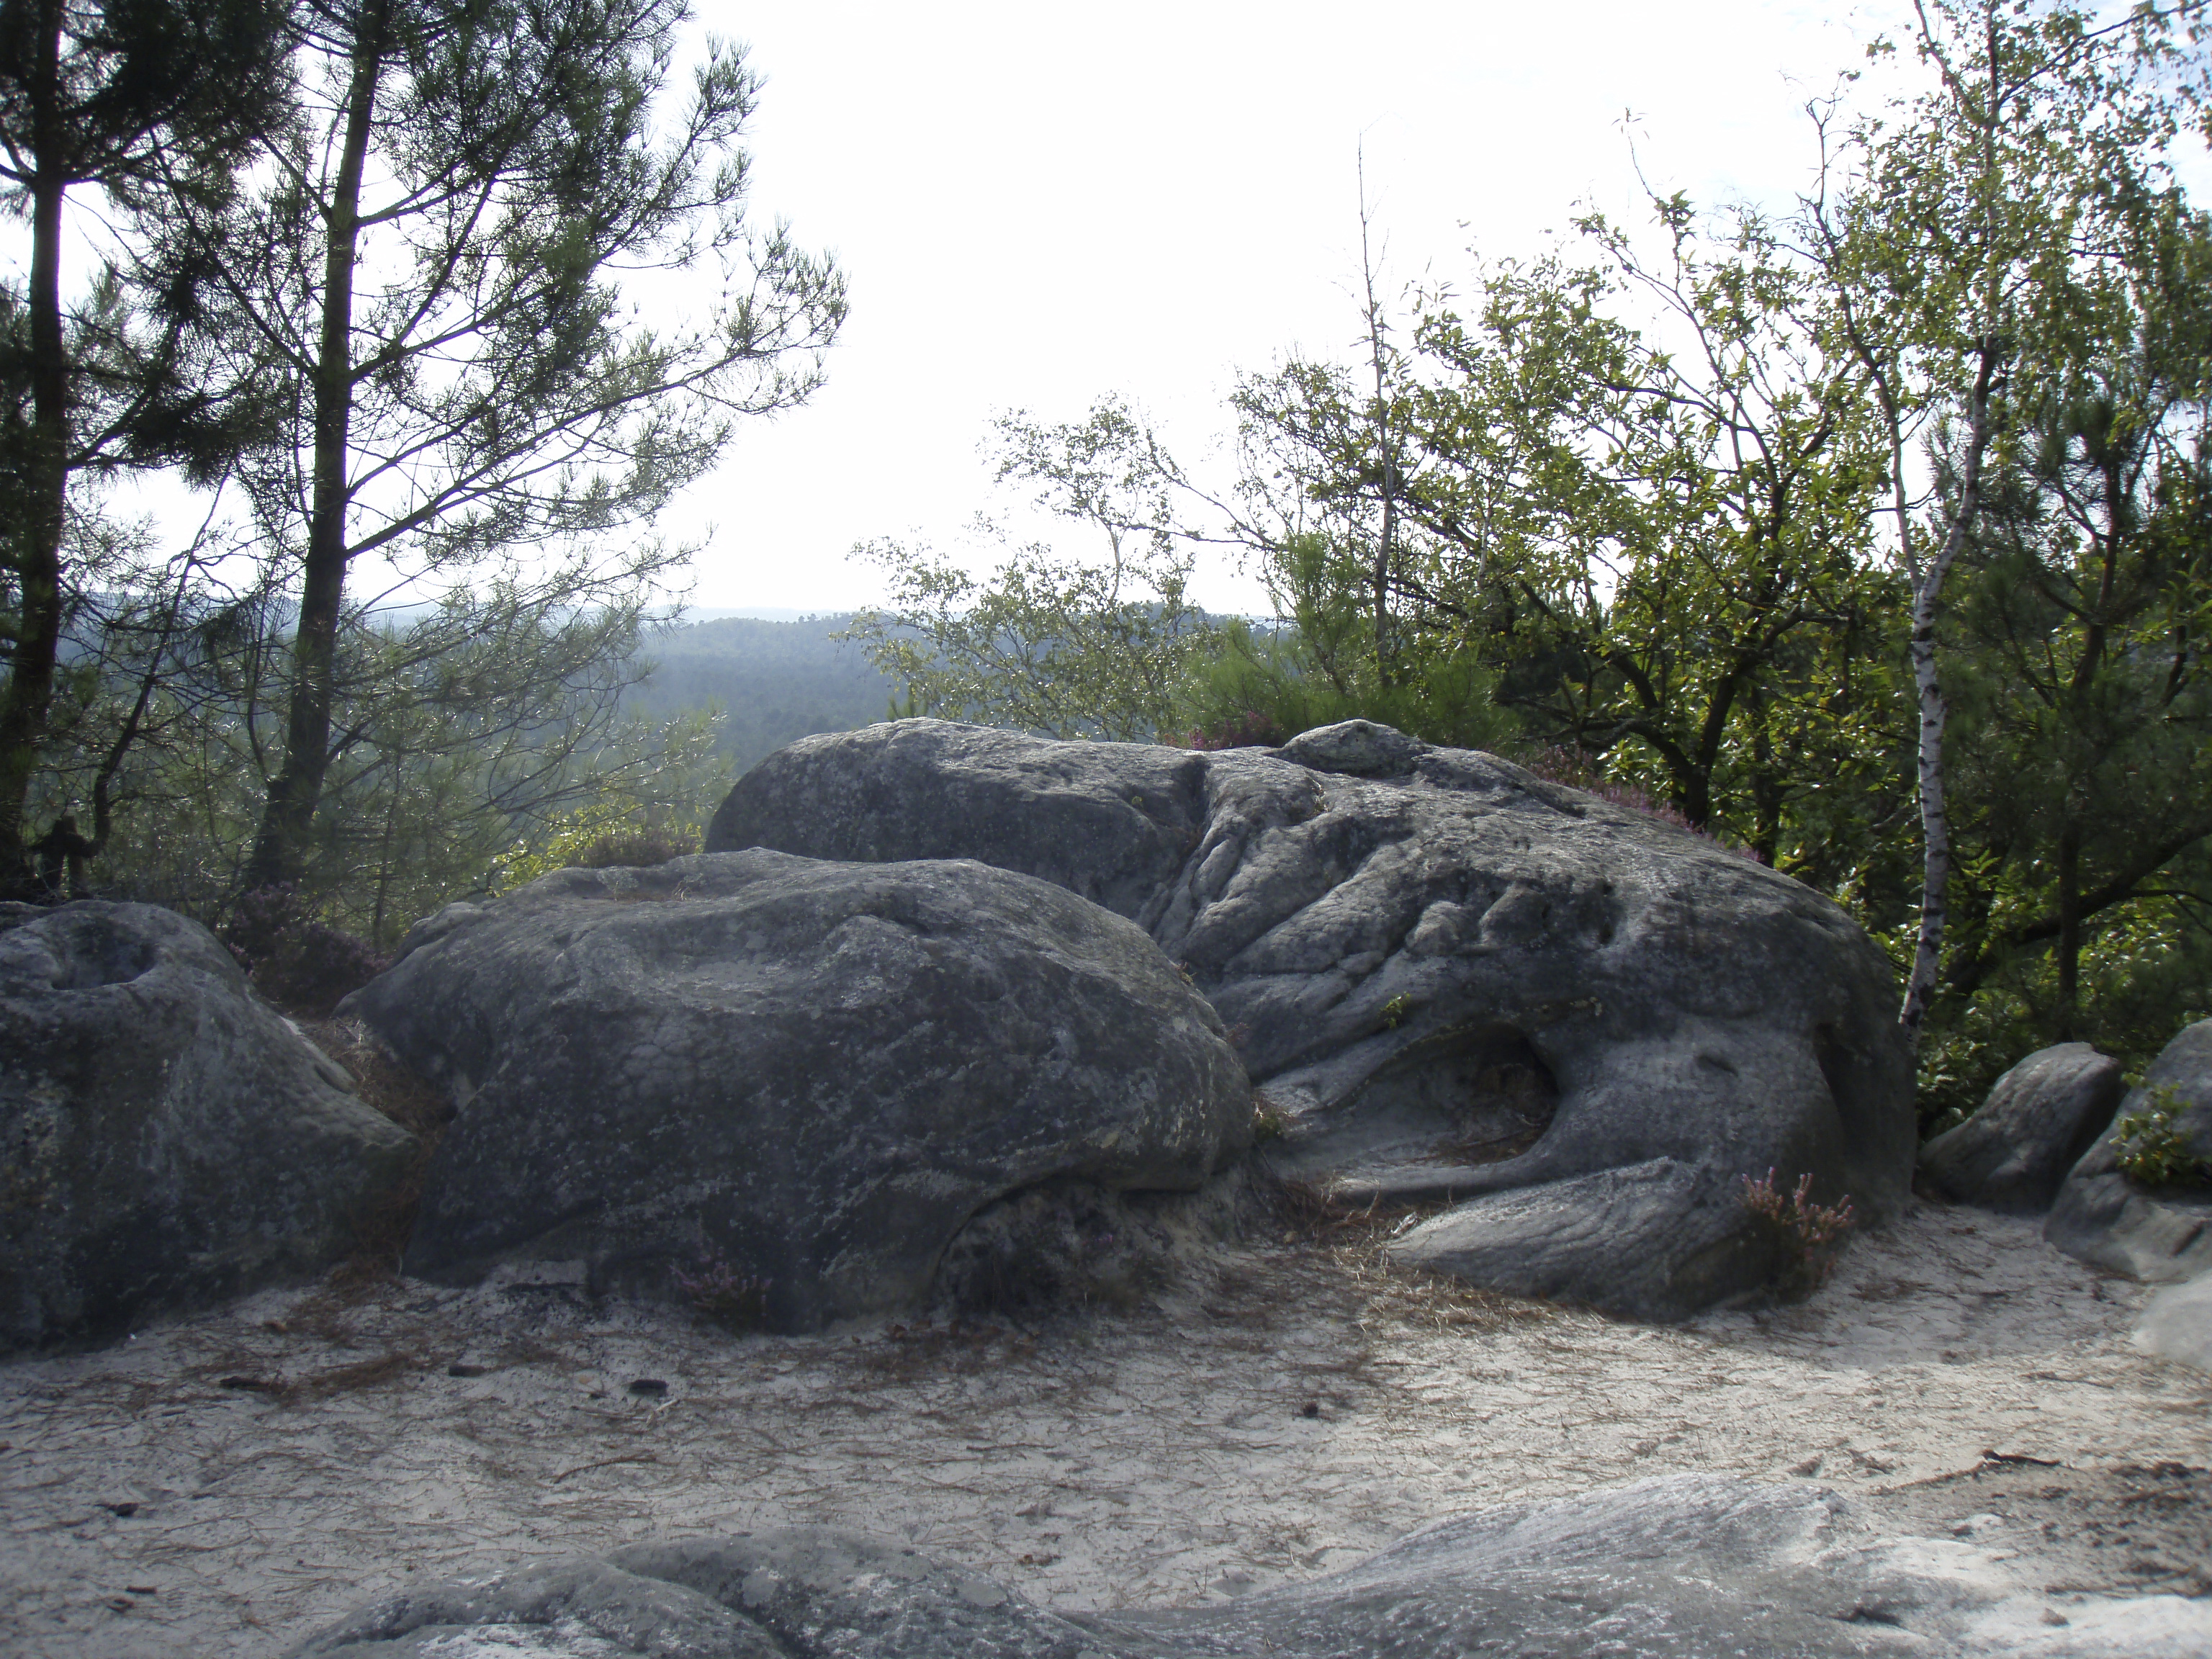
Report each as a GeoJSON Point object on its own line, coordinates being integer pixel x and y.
{"type": "Point", "coordinates": [778, 681]}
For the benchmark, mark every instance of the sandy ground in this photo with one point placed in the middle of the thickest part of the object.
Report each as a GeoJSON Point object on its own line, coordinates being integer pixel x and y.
{"type": "Point", "coordinates": [230, 1484]}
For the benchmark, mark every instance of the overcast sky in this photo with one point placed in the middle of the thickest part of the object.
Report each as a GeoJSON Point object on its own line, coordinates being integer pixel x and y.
{"type": "Point", "coordinates": [1038, 204]}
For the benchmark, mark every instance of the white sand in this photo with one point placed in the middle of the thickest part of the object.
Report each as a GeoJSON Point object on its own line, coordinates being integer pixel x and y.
{"type": "Point", "coordinates": [1122, 1459]}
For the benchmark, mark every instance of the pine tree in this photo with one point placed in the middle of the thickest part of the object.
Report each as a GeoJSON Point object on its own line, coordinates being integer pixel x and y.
{"type": "Point", "coordinates": [471, 400]}
{"type": "Point", "coordinates": [136, 98]}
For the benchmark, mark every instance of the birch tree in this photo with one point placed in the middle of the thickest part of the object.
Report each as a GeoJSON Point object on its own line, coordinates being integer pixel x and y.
{"type": "Point", "coordinates": [1975, 242]}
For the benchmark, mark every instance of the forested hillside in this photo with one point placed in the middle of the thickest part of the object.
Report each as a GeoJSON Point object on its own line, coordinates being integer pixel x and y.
{"type": "Point", "coordinates": [772, 682]}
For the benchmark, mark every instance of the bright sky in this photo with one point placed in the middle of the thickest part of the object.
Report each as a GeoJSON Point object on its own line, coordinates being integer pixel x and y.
{"type": "Point", "coordinates": [1038, 204]}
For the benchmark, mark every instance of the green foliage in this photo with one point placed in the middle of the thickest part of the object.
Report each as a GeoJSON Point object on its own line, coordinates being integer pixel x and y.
{"type": "Point", "coordinates": [477, 734]}
{"type": "Point", "coordinates": [2151, 1150]}
{"type": "Point", "coordinates": [152, 105]}
{"type": "Point", "coordinates": [478, 402]}
{"type": "Point", "coordinates": [1268, 1122]}
{"type": "Point", "coordinates": [1659, 558]}
{"type": "Point", "coordinates": [1318, 666]}
{"type": "Point", "coordinates": [1043, 644]}
{"type": "Point", "coordinates": [1988, 249]}
{"type": "Point", "coordinates": [1048, 643]}
{"type": "Point", "coordinates": [616, 828]}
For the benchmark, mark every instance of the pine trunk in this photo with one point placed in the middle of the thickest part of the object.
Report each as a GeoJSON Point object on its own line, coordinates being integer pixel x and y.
{"type": "Point", "coordinates": [28, 695]}
{"type": "Point", "coordinates": [280, 851]}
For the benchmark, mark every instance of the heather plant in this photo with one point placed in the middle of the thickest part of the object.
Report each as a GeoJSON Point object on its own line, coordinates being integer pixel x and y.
{"type": "Point", "coordinates": [1810, 1234]}
{"type": "Point", "coordinates": [294, 958]}
{"type": "Point", "coordinates": [1250, 729]}
{"type": "Point", "coordinates": [722, 1295]}
{"type": "Point", "coordinates": [637, 848]}
{"type": "Point", "coordinates": [1575, 769]}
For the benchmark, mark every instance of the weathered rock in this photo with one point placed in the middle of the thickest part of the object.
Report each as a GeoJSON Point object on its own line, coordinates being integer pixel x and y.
{"type": "Point", "coordinates": [802, 1593]}
{"type": "Point", "coordinates": [2176, 1324]}
{"type": "Point", "coordinates": [2160, 1235]}
{"type": "Point", "coordinates": [2040, 1116]}
{"type": "Point", "coordinates": [1693, 1566]}
{"type": "Point", "coordinates": [167, 1140]}
{"type": "Point", "coordinates": [1457, 982]}
{"type": "Point", "coordinates": [795, 1081]}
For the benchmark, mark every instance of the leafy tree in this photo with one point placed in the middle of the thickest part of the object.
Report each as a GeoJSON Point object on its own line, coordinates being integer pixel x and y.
{"type": "Point", "coordinates": [1069, 649]}
{"type": "Point", "coordinates": [141, 101]}
{"type": "Point", "coordinates": [1662, 553]}
{"type": "Point", "coordinates": [435, 258]}
{"type": "Point", "coordinates": [1974, 242]}
{"type": "Point", "coordinates": [2084, 786]}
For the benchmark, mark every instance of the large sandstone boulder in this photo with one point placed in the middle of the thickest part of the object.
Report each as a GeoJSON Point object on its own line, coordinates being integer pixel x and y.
{"type": "Point", "coordinates": [2039, 1118]}
{"type": "Point", "coordinates": [1673, 1568]}
{"type": "Point", "coordinates": [1457, 982]}
{"type": "Point", "coordinates": [750, 1077]}
{"type": "Point", "coordinates": [167, 1140]}
{"type": "Point", "coordinates": [2161, 1234]}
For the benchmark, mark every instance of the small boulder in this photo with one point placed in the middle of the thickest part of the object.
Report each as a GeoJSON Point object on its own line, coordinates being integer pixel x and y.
{"type": "Point", "coordinates": [2108, 1218]}
{"type": "Point", "coordinates": [781, 1087]}
{"type": "Point", "coordinates": [1458, 984]}
{"type": "Point", "coordinates": [167, 1140]}
{"type": "Point", "coordinates": [2040, 1116]}
{"type": "Point", "coordinates": [2176, 1324]}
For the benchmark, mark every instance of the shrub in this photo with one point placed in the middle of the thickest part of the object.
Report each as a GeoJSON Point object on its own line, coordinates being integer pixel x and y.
{"type": "Point", "coordinates": [1573, 769]}
{"type": "Point", "coordinates": [2154, 1152]}
{"type": "Point", "coordinates": [1809, 1234]}
{"type": "Point", "coordinates": [723, 1295]}
{"type": "Point", "coordinates": [636, 848]}
{"type": "Point", "coordinates": [299, 962]}
{"type": "Point", "coordinates": [1249, 730]}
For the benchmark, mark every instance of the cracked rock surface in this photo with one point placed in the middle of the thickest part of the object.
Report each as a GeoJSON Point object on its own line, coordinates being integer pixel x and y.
{"type": "Point", "coordinates": [167, 1138]}
{"type": "Point", "coordinates": [1683, 1565]}
{"type": "Point", "coordinates": [2160, 1234]}
{"type": "Point", "coordinates": [777, 1088]}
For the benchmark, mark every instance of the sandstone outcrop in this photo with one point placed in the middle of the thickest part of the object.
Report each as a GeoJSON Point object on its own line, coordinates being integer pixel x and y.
{"type": "Point", "coordinates": [2039, 1118]}
{"type": "Point", "coordinates": [1668, 1569]}
{"type": "Point", "coordinates": [780, 1087]}
{"type": "Point", "coordinates": [2104, 1216]}
{"type": "Point", "coordinates": [167, 1140]}
{"type": "Point", "coordinates": [1457, 983]}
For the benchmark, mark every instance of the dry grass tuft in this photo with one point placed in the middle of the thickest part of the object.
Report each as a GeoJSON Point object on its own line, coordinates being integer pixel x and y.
{"type": "Point", "coordinates": [387, 1367]}
{"type": "Point", "coordinates": [1313, 1212]}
